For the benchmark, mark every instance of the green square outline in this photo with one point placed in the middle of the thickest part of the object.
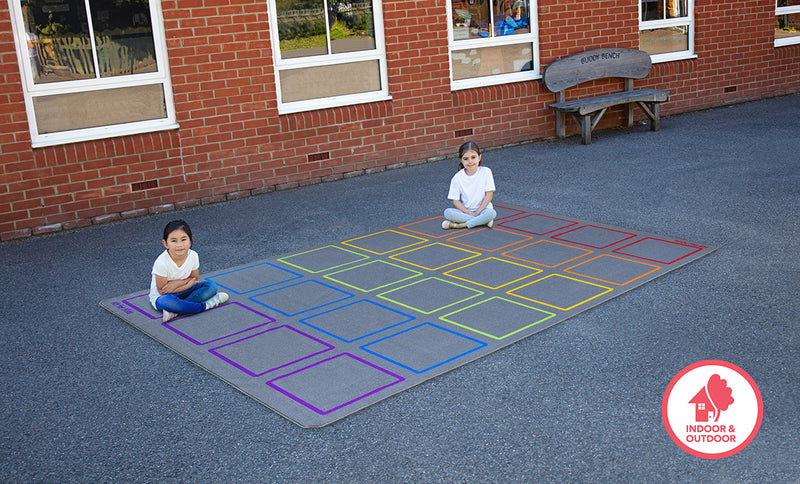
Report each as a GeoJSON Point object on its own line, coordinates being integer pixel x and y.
{"type": "Point", "coordinates": [444, 318]}
{"type": "Point", "coordinates": [282, 259]}
{"type": "Point", "coordinates": [382, 295]}
{"type": "Point", "coordinates": [415, 274]}
{"type": "Point", "coordinates": [422, 240]}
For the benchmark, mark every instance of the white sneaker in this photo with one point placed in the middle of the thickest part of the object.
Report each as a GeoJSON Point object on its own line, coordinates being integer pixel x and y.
{"type": "Point", "coordinates": [219, 298]}
{"type": "Point", "coordinates": [166, 316]}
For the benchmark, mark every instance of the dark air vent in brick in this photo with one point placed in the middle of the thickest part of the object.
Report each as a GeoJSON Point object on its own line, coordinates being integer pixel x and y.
{"type": "Point", "coordinates": [145, 185]}
{"type": "Point", "coordinates": [319, 156]}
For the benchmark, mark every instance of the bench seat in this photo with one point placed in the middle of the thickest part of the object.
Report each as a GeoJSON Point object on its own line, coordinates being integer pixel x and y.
{"type": "Point", "coordinates": [603, 63]}
{"type": "Point", "coordinates": [592, 104]}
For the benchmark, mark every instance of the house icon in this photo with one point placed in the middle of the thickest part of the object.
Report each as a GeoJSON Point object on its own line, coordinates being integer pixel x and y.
{"type": "Point", "coordinates": [704, 410]}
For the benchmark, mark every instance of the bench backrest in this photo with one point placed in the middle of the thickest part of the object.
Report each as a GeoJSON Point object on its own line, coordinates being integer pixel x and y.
{"type": "Point", "coordinates": [596, 64]}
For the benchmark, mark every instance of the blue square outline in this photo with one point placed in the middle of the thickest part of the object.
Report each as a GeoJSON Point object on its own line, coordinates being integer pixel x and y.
{"type": "Point", "coordinates": [481, 344]}
{"type": "Point", "coordinates": [348, 296]}
{"type": "Point", "coordinates": [297, 276]}
{"type": "Point", "coordinates": [305, 320]}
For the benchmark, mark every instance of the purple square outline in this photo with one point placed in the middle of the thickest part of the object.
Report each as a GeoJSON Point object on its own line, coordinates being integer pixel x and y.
{"type": "Point", "coordinates": [137, 308]}
{"type": "Point", "coordinates": [237, 365]}
{"type": "Point", "coordinates": [325, 412]}
{"type": "Point", "coordinates": [270, 320]}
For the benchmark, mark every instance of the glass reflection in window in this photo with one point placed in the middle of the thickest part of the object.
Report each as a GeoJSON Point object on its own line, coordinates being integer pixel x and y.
{"type": "Point", "coordinates": [303, 31]}
{"type": "Point", "coordinates": [474, 19]}
{"type": "Point", "coordinates": [787, 26]}
{"type": "Point", "coordinates": [60, 45]}
{"type": "Point", "coordinates": [664, 9]}
{"type": "Point", "coordinates": [491, 61]}
{"type": "Point", "coordinates": [664, 40]}
{"type": "Point", "coordinates": [124, 37]}
{"type": "Point", "coordinates": [351, 26]}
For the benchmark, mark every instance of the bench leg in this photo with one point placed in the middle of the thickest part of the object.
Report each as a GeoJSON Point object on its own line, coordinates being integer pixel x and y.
{"type": "Point", "coordinates": [653, 111]}
{"type": "Point", "coordinates": [586, 128]}
{"type": "Point", "coordinates": [561, 129]}
{"type": "Point", "coordinates": [629, 114]}
{"type": "Point", "coordinates": [655, 123]}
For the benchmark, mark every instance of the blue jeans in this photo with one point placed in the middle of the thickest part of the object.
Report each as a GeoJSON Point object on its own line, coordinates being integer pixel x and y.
{"type": "Point", "coordinates": [188, 301]}
{"type": "Point", "coordinates": [459, 217]}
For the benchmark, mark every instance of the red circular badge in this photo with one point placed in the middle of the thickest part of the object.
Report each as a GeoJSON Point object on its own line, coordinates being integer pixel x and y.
{"type": "Point", "coordinates": [712, 409]}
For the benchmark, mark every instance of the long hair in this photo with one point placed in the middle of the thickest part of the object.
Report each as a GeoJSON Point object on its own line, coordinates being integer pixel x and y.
{"type": "Point", "coordinates": [468, 146]}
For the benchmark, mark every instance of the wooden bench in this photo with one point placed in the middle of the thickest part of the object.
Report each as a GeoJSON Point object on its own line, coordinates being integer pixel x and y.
{"type": "Point", "coordinates": [575, 69]}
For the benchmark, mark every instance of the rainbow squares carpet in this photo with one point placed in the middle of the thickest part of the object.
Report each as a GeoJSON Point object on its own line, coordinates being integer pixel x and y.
{"type": "Point", "coordinates": [321, 333]}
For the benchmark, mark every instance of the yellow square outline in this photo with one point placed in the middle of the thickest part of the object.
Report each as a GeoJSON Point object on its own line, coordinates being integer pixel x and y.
{"type": "Point", "coordinates": [382, 231]}
{"type": "Point", "coordinates": [395, 257]}
{"type": "Point", "coordinates": [449, 273]}
{"type": "Point", "coordinates": [524, 238]}
{"type": "Point", "coordinates": [511, 292]}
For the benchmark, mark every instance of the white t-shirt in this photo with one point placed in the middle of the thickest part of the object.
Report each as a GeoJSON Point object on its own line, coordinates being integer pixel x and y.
{"type": "Point", "coordinates": [471, 189]}
{"type": "Point", "coordinates": [164, 266]}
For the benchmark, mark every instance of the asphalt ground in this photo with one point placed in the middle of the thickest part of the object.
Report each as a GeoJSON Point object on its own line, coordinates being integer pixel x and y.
{"type": "Point", "coordinates": [85, 397]}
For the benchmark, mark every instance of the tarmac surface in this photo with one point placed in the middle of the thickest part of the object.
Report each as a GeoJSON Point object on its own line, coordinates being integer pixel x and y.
{"type": "Point", "coordinates": [85, 397]}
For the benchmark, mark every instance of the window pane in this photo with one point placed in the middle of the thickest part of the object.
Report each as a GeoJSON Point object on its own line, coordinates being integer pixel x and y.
{"type": "Point", "coordinates": [351, 24]}
{"type": "Point", "coordinates": [650, 9]}
{"type": "Point", "coordinates": [662, 41]}
{"type": "Point", "coordinates": [91, 109]}
{"type": "Point", "coordinates": [676, 8]}
{"type": "Point", "coordinates": [490, 61]}
{"type": "Point", "coordinates": [58, 40]}
{"type": "Point", "coordinates": [301, 28]}
{"type": "Point", "coordinates": [124, 37]}
{"type": "Point", "coordinates": [787, 26]}
{"type": "Point", "coordinates": [664, 9]}
{"type": "Point", "coordinates": [328, 81]}
{"type": "Point", "coordinates": [510, 17]}
{"type": "Point", "coordinates": [470, 19]}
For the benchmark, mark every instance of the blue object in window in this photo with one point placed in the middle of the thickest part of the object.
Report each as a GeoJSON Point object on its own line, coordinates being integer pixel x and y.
{"type": "Point", "coordinates": [507, 26]}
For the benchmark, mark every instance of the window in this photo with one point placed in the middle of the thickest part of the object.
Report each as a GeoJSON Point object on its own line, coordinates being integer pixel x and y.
{"type": "Point", "coordinates": [92, 68]}
{"type": "Point", "coordinates": [666, 29]}
{"type": "Point", "coordinates": [328, 53]}
{"type": "Point", "coordinates": [787, 22]}
{"type": "Point", "coordinates": [492, 42]}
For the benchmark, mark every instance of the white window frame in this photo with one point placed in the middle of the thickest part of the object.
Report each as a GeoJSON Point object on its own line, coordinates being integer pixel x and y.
{"type": "Point", "coordinates": [786, 11]}
{"type": "Point", "coordinates": [672, 22]}
{"type": "Point", "coordinates": [377, 54]}
{"type": "Point", "coordinates": [464, 44]}
{"type": "Point", "coordinates": [32, 90]}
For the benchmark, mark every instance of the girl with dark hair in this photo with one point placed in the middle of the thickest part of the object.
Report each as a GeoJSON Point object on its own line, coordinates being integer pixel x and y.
{"type": "Point", "coordinates": [175, 288]}
{"type": "Point", "coordinates": [471, 191]}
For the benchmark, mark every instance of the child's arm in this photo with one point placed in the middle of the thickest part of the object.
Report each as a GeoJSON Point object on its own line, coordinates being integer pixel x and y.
{"type": "Point", "coordinates": [176, 285]}
{"type": "Point", "coordinates": [487, 198]}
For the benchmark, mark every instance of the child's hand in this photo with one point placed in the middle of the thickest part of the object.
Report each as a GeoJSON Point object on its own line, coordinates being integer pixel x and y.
{"type": "Point", "coordinates": [178, 285]}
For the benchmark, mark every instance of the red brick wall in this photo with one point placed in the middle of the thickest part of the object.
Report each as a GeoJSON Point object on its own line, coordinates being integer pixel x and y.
{"type": "Point", "coordinates": [232, 143]}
